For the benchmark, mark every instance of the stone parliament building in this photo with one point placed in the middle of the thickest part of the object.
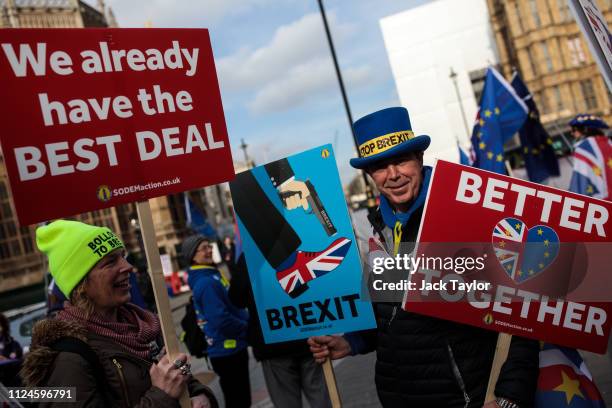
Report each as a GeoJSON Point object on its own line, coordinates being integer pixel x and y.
{"type": "Point", "coordinates": [542, 41]}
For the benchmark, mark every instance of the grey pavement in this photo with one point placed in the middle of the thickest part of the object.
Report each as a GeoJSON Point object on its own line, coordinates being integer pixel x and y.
{"type": "Point", "coordinates": [355, 378]}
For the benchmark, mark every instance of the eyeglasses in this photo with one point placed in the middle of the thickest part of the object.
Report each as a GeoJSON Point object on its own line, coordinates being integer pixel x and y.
{"type": "Point", "coordinates": [382, 167]}
{"type": "Point", "coordinates": [204, 248]}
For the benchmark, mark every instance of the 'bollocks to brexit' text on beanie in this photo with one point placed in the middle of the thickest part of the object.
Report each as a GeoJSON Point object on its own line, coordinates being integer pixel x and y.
{"type": "Point", "coordinates": [73, 249]}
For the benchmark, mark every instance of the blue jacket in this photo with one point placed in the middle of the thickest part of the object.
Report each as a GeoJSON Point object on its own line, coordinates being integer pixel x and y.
{"type": "Point", "coordinates": [224, 325]}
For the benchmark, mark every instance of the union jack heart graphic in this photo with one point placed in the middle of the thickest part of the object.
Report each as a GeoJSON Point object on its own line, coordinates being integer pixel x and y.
{"type": "Point", "coordinates": [306, 266]}
{"type": "Point", "coordinates": [524, 252]}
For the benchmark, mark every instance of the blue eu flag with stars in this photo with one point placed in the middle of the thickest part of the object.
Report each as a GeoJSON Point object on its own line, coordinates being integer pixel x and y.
{"type": "Point", "coordinates": [536, 144]}
{"type": "Point", "coordinates": [197, 220]}
{"type": "Point", "coordinates": [501, 115]}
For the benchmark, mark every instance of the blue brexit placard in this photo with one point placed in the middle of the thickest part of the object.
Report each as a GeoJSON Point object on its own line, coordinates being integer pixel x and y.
{"type": "Point", "coordinates": [300, 248]}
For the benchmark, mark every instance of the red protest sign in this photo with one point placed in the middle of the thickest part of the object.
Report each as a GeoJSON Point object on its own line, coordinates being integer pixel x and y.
{"type": "Point", "coordinates": [542, 271]}
{"type": "Point", "coordinates": [93, 118]}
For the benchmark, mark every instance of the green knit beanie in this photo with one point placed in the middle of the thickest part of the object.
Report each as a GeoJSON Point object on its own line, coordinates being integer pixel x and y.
{"type": "Point", "coordinates": [73, 248]}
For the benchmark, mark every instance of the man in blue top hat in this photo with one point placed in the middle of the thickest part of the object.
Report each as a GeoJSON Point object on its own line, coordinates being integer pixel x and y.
{"type": "Point", "coordinates": [584, 125]}
{"type": "Point", "coordinates": [592, 171]}
{"type": "Point", "coordinates": [421, 361]}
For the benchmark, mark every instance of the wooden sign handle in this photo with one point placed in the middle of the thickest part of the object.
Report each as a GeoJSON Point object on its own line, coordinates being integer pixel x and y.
{"type": "Point", "coordinates": [501, 354]}
{"type": "Point", "coordinates": [158, 282]}
{"type": "Point", "coordinates": [332, 387]}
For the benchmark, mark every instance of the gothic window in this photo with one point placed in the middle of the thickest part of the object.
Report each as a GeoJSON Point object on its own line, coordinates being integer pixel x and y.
{"type": "Point", "coordinates": [546, 56]}
{"type": "Point", "coordinates": [588, 93]}
{"type": "Point", "coordinates": [534, 13]}
{"type": "Point", "coordinates": [577, 55]}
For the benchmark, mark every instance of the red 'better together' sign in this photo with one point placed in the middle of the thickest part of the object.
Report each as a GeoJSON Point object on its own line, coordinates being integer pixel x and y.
{"type": "Point", "coordinates": [544, 254]}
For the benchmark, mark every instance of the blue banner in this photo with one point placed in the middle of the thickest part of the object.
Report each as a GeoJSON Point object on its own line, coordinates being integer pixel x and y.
{"type": "Point", "coordinates": [536, 144]}
{"type": "Point", "coordinates": [196, 220]}
{"type": "Point", "coordinates": [502, 113]}
{"type": "Point", "coordinates": [300, 248]}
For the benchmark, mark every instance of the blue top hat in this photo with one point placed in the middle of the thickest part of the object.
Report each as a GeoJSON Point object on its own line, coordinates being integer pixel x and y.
{"type": "Point", "coordinates": [384, 134]}
{"type": "Point", "coordinates": [586, 120]}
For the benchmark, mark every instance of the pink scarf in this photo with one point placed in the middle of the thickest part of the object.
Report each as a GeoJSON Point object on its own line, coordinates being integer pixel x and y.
{"type": "Point", "coordinates": [135, 328]}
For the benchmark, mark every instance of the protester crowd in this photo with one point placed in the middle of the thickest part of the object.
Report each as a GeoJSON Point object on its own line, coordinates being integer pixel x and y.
{"type": "Point", "coordinates": [103, 338]}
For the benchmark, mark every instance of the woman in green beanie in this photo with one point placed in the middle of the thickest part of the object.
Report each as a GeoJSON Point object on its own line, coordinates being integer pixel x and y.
{"type": "Point", "coordinates": [100, 343]}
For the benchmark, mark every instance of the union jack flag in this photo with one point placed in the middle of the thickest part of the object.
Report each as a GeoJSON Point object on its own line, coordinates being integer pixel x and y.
{"type": "Point", "coordinates": [307, 266]}
{"type": "Point", "coordinates": [508, 240]}
{"type": "Point", "coordinates": [565, 380]}
{"type": "Point", "coordinates": [592, 173]}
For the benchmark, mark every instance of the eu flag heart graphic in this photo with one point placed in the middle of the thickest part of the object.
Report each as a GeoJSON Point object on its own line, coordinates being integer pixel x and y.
{"type": "Point", "coordinates": [524, 253]}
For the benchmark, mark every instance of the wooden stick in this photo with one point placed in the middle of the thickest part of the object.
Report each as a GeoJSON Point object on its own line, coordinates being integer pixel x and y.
{"type": "Point", "coordinates": [156, 272]}
{"type": "Point", "coordinates": [501, 354]}
{"type": "Point", "coordinates": [332, 387]}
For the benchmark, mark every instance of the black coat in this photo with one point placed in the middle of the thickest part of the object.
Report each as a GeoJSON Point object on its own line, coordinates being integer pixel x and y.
{"type": "Point", "coordinates": [427, 362]}
{"type": "Point", "coordinates": [241, 295]}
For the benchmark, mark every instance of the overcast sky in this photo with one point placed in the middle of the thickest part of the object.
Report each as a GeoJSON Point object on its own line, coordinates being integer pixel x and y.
{"type": "Point", "coordinates": [278, 83]}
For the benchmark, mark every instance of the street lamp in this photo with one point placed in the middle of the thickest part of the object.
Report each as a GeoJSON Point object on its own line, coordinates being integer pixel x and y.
{"type": "Point", "coordinates": [247, 161]}
{"type": "Point", "coordinates": [368, 190]}
{"type": "Point", "coordinates": [453, 77]}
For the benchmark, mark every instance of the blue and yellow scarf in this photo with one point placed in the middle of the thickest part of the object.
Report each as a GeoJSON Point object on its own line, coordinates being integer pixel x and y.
{"type": "Point", "coordinates": [395, 219]}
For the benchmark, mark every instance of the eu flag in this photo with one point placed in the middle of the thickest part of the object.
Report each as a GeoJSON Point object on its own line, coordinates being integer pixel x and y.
{"type": "Point", "coordinates": [501, 114]}
{"type": "Point", "coordinates": [197, 221]}
{"type": "Point", "coordinates": [536, 144]}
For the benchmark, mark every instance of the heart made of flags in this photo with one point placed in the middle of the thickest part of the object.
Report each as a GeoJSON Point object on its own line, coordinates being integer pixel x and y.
{"type": "Point", "coordinates": [524, 252]}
